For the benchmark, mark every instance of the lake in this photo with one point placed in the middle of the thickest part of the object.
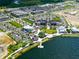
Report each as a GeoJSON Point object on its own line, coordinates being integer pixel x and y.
{"type": "Point", "coordinates": [58, 48]}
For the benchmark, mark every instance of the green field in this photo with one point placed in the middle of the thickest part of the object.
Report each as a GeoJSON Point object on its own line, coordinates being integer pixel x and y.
{"type": "Point", "coordinates": [1, 30]}
{"type": "Point", "coordinates": [49, 31]}
{"type": "Point", "coordinates": [70, 35]}
{"type": "Point", "coordinates": [57, 19]}
{"type": "Point", "coordinates": [28, 21]}
{"type": "Point", "coordinates": [14, 23]}
{"type": "Point", "coordinates": [69, 6]}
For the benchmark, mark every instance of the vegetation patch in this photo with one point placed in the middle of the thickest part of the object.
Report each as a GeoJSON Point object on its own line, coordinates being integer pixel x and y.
{"type": "Point", "coordinates": [68, 6]}
{"type": "Point", "coordinates": [28, 21]}
{"type": "Point", "coordinates": [14, 23]}
{"type": "Point", "coordinates": [15, 47]}
{"type": "Point", "coordinates": [70, 35]}
{"type": "Point", "coordinates": [29, 48]}
{"type": "Point", "coordinates": [1, 30]}
{"type": "Point", "coordinates": [41, 34]}
{"type": "Point", "coordinates": [57, 19]}
{"type": "Point", "coordinates": [49, 31]}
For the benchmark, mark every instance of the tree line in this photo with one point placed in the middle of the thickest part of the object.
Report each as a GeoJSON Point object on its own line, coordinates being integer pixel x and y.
{"type": "Point", "coordinates": [28, 2]}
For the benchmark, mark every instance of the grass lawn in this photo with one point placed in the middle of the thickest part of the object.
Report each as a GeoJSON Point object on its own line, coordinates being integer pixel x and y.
{"type": "Point", "coordinates": [15, 47]}
{"type": "Point", "coordinates": [1, 30]}
{"type": "Point", "coordinates": [14, 23]}
{"type": "Point", "coordinates": [68, 6]}
{"type": "Point", "coordinates": [57, 19]}
{"type": "Point", "coordinates": [49, 31]}
{"type": "Point", "coordinates": [70, 35]}
{"type": "Point", "coordinates": [28, 21]}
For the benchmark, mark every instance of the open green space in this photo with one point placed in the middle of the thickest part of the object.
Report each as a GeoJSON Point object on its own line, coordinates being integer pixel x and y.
{"type": "Point", "coordinates": [15, 47]}
{"type": "Point", "coordinates": [69, 6]}
{"type": "Point", "coordinates": [49, 31]}
{"type": "Point", "coordinates": [1, 30]}
{"type": "Point", "coordinates": [28, 21]}
{"type": "Point", "coordinates": [14, 23]}
{"type": "Point", "coordinates": [57, 19]}
{"type": "Point", "coordinates": [70, 35]}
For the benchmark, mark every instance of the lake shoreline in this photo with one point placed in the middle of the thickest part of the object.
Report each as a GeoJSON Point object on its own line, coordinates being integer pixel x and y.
{"type": "Point", "coordinates": [25, 50]}
{"type": "Point", "coordinates": [58, 48]}
{"type": "Point", "coordinates": [29, 48]}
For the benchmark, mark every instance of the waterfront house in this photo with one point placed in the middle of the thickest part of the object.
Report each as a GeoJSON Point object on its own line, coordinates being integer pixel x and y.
{"type": "Point", "coordinates": [74, 30]}
{"type": "Point", "coordinates": [62, 29]}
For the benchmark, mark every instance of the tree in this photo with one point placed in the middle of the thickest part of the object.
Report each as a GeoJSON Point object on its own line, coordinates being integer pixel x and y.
{"type": "Point", "coordinates": [41, 34]}
{"type": "Point", "coordinates": [51, 1]}
{"type": "Point", "coordinates": [27, 2]}
{"type": "Point", "coordinates": [31, 2]}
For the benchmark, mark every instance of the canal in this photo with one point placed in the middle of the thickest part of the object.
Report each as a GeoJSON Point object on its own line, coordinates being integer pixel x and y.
{"type": "Point", "coordinates": [58, 48]}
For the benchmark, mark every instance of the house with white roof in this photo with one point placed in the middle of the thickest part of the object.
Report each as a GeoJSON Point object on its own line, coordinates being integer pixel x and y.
{"type": "Point", "coordinates": [27, 28]}
{"type": "Point", "coordinates": [75, 30]}
{"type": "Point", "coordinates": [62, 29]}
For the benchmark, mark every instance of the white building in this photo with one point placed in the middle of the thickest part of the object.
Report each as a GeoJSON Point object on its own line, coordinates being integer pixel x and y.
{"type": "Point", "coordinates": [62, 29]}
{"type": "Point", "coordinates": [28, 27]}
{"type": "Point", "coordinates": [75, 30]}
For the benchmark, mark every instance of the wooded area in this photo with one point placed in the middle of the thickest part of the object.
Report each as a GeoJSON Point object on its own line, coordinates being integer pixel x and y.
{"type": "Point", "coordinates": [27, 2]}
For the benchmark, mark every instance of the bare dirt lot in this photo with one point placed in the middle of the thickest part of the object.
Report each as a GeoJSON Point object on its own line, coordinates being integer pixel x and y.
{"type": "Point", "coordinates": [5, 41]}
{"type": "Point", "coordinates": [72, 17]}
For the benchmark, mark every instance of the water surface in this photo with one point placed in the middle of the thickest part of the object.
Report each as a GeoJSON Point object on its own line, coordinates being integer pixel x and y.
{"type": "Point", "coordinates": [59, 48]}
